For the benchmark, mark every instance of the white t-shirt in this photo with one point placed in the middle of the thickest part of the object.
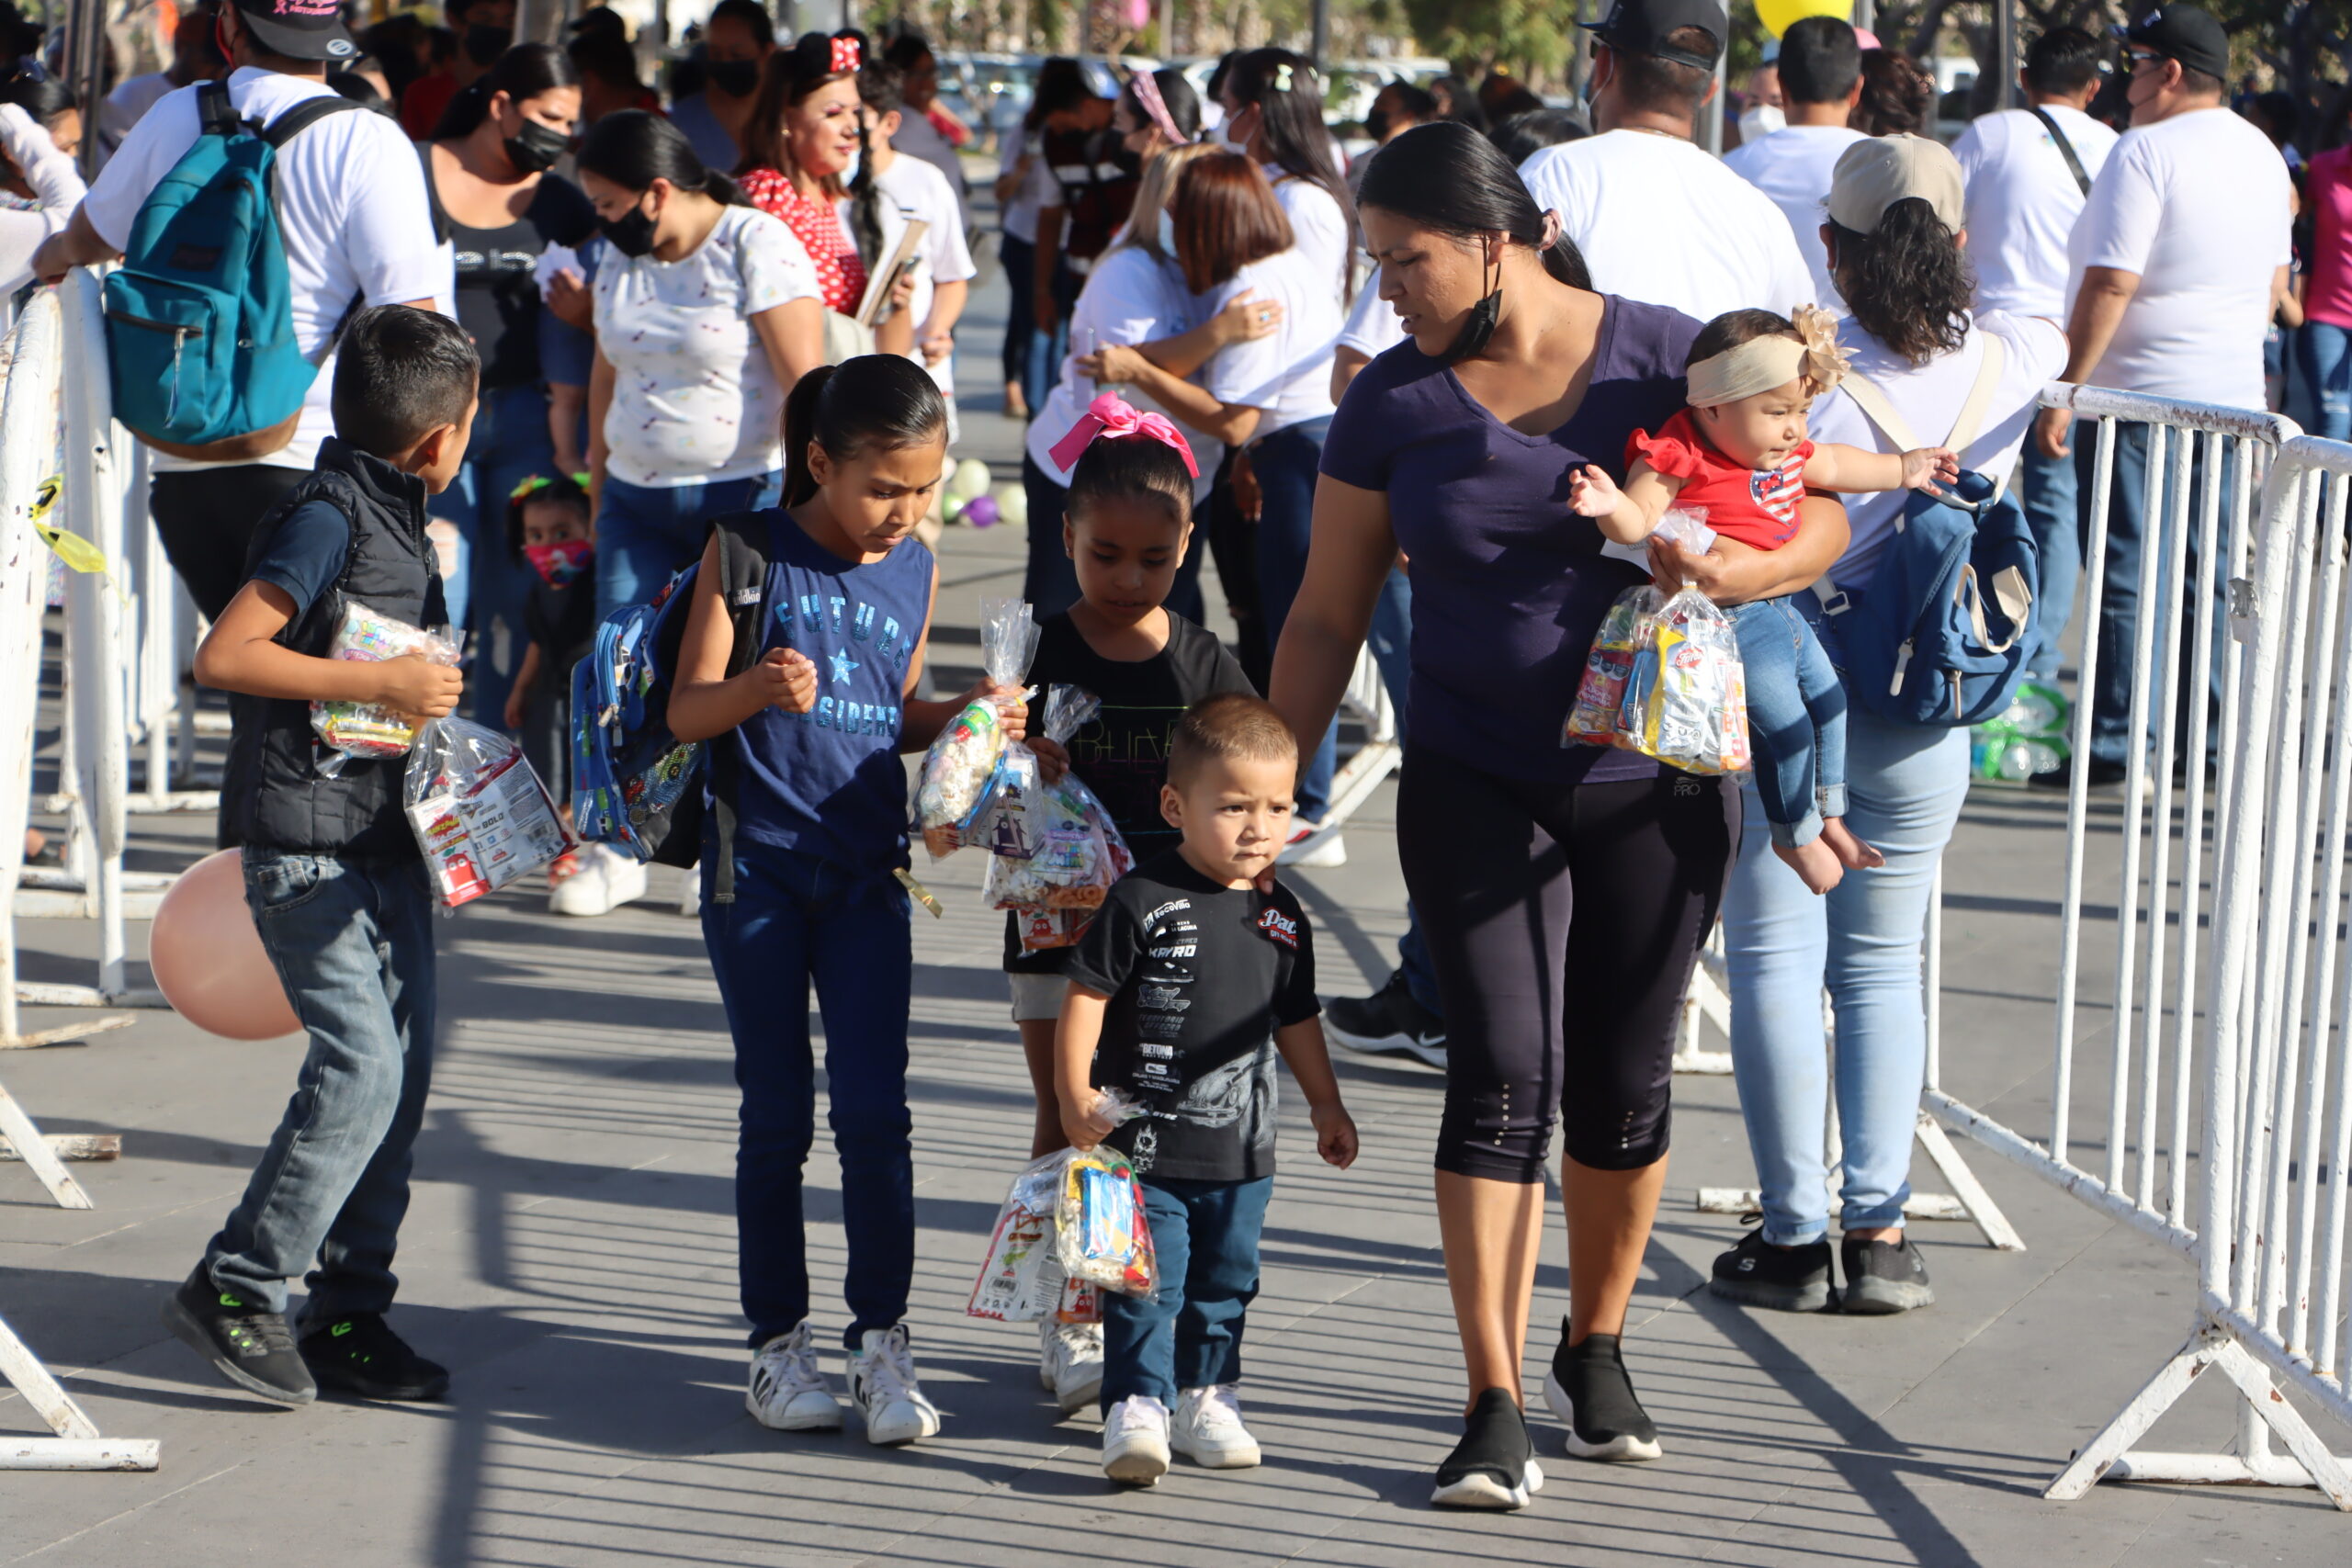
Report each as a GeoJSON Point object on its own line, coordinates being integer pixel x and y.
{"type": "Point", "coordinates": [1792, 167]}
{"type": "Point", "coordinates": [2022, 204]}
{"type": "Point", "coordinates": [1660, 220]}
{"type": "Point", "coordinates": [1131, 297]}
{"type": "Point", "coordinates": [2197, 205]}
{"type": "Point", "coordinates": [128, 104]}
{"type": "Point", "coordinates": [1372, 328]}
{"type": "Point", "coordinates": [695, 400]}
{"type": "Point", "coordinates": [918, 138]}
{"type": "Point", "coordinates": [351, 210]}
{"type": "Point", "coordinates": [1035, 191]}
{"type": "Point", "coordinates": [1929, 398]}
{"type": "Point", "coordinates": [1319, 226]}
{"type": "Point", "coordinates": [1287, 374]}
{"type": "Point", "coordinates": [922, 195]}
{"type": "Point", "coordinates": [57, 191]}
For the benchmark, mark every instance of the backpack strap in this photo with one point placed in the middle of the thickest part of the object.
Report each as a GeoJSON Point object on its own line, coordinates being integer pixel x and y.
{"type": "Point", "coordinates": [742, 576]}
{"type": "Point", "coordinates": [2065, 148]}
{"type": "Point", "coordinates": [1880, 410]}
{"type": "Point", "coordinates": [303, 115]}
{"type": "Point", "coordinates": [215, 115]}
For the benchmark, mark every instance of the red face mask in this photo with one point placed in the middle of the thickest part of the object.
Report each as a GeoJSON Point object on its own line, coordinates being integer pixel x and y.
{"type": "Point", "coordinates": [562, 561]}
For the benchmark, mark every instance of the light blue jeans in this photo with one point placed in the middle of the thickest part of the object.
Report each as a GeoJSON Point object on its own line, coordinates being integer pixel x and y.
{"type": "Point", "coordinates": [646, 535]}
{"type": "Point", "coordinates": [1905, 788]}
{"type": "Point", "coordinates": [2323, 351]}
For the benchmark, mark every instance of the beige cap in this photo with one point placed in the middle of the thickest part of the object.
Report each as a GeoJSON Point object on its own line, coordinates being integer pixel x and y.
{"type": "Point", "coordinates": [1873, 176]}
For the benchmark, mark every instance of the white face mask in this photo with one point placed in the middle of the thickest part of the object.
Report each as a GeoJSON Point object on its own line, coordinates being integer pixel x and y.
{"type": "Point", "coordinates": [1231, 143]}
{"type": "Point", "coordinates": [1760, 120]}
{"type": "Point", "coordinates": [1167, 233]}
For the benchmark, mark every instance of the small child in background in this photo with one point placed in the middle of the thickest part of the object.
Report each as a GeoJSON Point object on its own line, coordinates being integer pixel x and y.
{"type": "Point", "coordinates": [546, 524]}
{"type": "Point", "coordinates": [1127, 525]}
{"type": "Point", "coordinates": [1739, 450]}
{"type": "Point", "coordinates": [1180, 995]}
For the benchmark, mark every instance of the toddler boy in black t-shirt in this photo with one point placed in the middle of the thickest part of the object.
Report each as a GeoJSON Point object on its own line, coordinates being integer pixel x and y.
{"type": "Point", "coordinates": [1187, 985]}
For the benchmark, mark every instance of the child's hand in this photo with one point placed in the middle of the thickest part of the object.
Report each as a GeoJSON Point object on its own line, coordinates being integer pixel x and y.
{"type": "Point", "coordinates": [1334, 1133]}
{"type": "Point", "coordinates": [787, 679]}
{"type": "Point", "coordinates": [1052, 760]}
{"type": "Point", "coordinates": [1087, 1126]}
{"type": "Point", "coordinates": [1013, 708]}
{"type": "Point", "coordinates": [1592, 493]}
{"type": "Point", "coordinates": [417, 688]}
{"type": "Point", "coordinates": [1923, 467]}
{"type": "Point", "coordinates": [517, 701]}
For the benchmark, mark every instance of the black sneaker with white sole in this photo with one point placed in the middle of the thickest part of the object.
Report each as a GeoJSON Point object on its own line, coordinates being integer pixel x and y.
{"type": "Point", "coordinates": [1782, 1279]}
{"type": "Point", "coordinates": [246, 1344]}
{"type": "Point", "coordinates": [1494, 1465]}
{"type": "Point", "coordinates": [1589, 1391]}
{"type": "Point", "coordinates": [1883, 1276]}
{"type": "Point", "coordinates": [361, 1355]}
{"type": "Point", "coordinates": [1388, 1020]}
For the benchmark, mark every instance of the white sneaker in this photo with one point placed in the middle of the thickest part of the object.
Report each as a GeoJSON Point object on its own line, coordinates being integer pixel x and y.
{"type": "Point", "coordinates": [787, 1394]}
{"type": "Point", "coordinates": [606, 880]}
{"type": "Point", "coordinates": [1315, 847]}
{"type": "Point", "coordinates": [882, 1383]}
{"type": "Point", "coordinates": [1134, 1441]}
{"type": "Point", "coordinates": [1070, 1363]}
{"type": "Point", "coordinates": [690, 894]}
{"type": "Point", "coordinates": [1208, 1430]}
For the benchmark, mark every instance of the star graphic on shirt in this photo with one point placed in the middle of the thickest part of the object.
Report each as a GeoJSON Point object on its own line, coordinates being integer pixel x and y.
{"type": "Point", "coordinates": [842, 665]}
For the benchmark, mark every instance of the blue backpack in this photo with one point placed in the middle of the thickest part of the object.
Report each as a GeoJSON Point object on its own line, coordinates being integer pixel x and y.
{"type": "Point", "coordinates": [1942, 635]}
{"type": "Point", "coordinates": [200, 316]}
{"type": "Point", "coordinates": [634, 784]}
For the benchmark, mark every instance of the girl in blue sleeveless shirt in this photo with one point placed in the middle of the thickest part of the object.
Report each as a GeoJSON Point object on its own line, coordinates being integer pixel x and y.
{"type": "Point", "coordinates": [816, 725]}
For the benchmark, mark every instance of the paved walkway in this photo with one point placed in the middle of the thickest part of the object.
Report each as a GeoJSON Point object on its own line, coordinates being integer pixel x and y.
{"type": "Point", "coordinates": [570, 1254]}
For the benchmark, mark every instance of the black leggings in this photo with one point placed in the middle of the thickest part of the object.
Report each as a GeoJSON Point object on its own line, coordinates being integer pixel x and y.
{"type": "Point", "coordinates": [205, 518]}
{"type": "Point", "coordinates": [1563, 921]}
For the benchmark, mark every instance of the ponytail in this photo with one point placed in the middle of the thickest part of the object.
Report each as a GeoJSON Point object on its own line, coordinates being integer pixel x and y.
{"type": "Point", "coordinates": [865, 201]}
{"type": "Point", "coordinates": [1446, 176]}
{"type": "Point", "coordinates": [875, 399]}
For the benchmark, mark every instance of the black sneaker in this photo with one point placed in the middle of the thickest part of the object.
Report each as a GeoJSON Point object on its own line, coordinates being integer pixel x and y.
{"type": "Point", "coordinates": [1494, 1465]}
{"type": "Point", "coordinates": [1883, 1276]}
{"type": "Point", "coordinates": [2103, 775]}
{"type": "Point", "coordinates": [251, 1347]}
{"type": "Point", "coordinates": [1782, 1279]}
{"type": "Point", "coordinates": [1589, 1393]}
{"type": "Point", "coordinates": [1388, 1020]}
{"type": "Point", "coordinates": [361, 1355]}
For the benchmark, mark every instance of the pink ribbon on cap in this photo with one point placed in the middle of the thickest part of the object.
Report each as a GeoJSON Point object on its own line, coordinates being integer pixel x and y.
{"type": "Point", "coordinates": [1148, 95]}
{"type": "Point", "coordinates": [846, 56]}
{"type": "Point", "coordinates": [1113, 416]}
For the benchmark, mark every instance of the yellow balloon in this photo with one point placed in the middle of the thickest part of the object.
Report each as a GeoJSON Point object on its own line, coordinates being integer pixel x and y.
{"type": "Point", "coordinates": [1776, 14]}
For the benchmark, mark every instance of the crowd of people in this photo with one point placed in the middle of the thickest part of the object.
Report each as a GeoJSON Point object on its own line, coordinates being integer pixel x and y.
{"type": "Point", "coordinates": [1432, 403]}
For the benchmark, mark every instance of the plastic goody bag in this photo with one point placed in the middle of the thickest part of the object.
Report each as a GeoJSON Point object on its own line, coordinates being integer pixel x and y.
{"type": "Point", "coordinates": [1600, 694]}
{"type": "Point", "coordinates": [1686, 698]}
{"type": "Point", "coordinates": [363, 729]}
{"type": "Point", "coordinates": [480, 812]}
{"type": "Point", "coordinates": [1058, 851]}
{"type": "Point", "coordinates": [960, 771]}
{"type": "Point", "coordinates": [1073, 1219]}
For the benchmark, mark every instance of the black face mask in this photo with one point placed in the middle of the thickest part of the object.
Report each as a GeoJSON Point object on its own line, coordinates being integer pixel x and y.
{"type": "Point", "coordinates": [632, 234]}
{"type": "Point", "coordinates": [484, 45]}
{"type": "Point", "coordinates": [1479, 329]}
{"type": "Point", "coordinates": [736, 78]}
{"type": "Point", "coordinates": [1375, 125]}
{"type": "Point", "coordinates": [535, 149]}
{"type": "Point", "coordinates": [1126, 163]}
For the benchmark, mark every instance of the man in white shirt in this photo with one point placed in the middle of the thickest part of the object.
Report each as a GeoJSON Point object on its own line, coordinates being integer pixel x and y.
{"type": "Point", "coordinates": [2180, 251]}
{"type": "Point", "coordinates": [358, 231]}
{"type": "Point", "coordinates": [1821, 79]}
{"type": "Point", "coordinates": [921, 194]}
{"type": "Point", "coordinates": [1656, 218]}
{"type": "Point", "coordinates": [2027, 172]}
{"type": "Point", "coordinates": [195, 58]}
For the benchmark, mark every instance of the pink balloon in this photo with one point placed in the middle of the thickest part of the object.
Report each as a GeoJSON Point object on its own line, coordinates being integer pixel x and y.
{"type": "Point", "coordinates": [980, 512]}
{"type": "Point", "coordinates": [209, 960]}
{"type": "Point", "coordinates": [1138, 14]}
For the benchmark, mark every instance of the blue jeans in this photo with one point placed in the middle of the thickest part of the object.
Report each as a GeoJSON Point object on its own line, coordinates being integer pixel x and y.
{"type": "Point", "coordinates": [2323, 352]}
{"type": "Point", "coordinates": [646, 535]}
{"type": "Point", "coordinates": [1187, 1334]}
{"type": "Point", "coordinates": [1285, 464]}
{"type": "Point", "coordinates": [2052, 497]}
{"type": "Point", "coordinates": [486, 594]}
{"type": "Point", "coordinates": [1796, 714]}
{"type": "Point", "coordinates": [797, 919]}
{"type": "Point", "coordinates": [1905, 786]}
{"type": "Point", "coordinates": [353, 943]}
{"type": "Point", "coordinates": [2118, 621]}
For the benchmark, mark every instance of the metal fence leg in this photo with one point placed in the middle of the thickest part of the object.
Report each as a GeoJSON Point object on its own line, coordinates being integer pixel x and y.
{"type": "Point", "coordinates": [34, 1150]}
{"type": "Point", "coordinates": [77, 1445]}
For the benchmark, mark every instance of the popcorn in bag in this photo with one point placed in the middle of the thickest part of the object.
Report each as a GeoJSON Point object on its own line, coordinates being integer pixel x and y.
{"type": "Point", "coordinates": [363, 729]}
{"type": "Point", "coordinates": [960, 770]}
{"type": "Point", "coordinates": [479, 811]}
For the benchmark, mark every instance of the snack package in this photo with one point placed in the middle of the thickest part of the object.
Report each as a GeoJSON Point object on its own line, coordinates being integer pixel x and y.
{"type": "Point", "coordinates": [1103, 1236]}
{"type": "Point", "coordinates": [363, 729]}
{"type": "Point", "coordinates": [1056, 848]}
{"type": "Point", "coordinates": [1601, 691]}
{"type": "Point", "coordinates": [1686, 699]}
{"type": "Point", "coordinates": [1684, 526]}
{"type": "Point", "coordinates": [959, 772]}
{"type": "Point", "coordinates": [1003, 826]}
{"type": "Point", "coordinates": [480, 812]}
{"type": "Point", "coordinates": [1073, 1221]}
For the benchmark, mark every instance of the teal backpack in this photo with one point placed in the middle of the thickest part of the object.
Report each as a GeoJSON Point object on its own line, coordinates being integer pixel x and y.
{"type": "Point", "coordinates": [199, 318]}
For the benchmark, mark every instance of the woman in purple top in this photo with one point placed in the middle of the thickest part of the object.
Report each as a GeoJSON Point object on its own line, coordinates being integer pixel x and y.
{"type": "Point", "coordinates": [1564, 892]}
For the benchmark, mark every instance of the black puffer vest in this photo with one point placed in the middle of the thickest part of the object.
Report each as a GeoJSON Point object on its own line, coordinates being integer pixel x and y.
{"type": "Point", "coordinates": [272, 794]}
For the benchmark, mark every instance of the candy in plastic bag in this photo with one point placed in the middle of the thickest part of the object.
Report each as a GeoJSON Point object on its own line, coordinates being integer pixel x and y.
{"type": "Point", "coordinates": [960, 770]}
{"type": "Point", "coordinates": [1686, 701]}
{"type": "Point", "coordinates": [1056, 848]}
{"type": "Point", "coordinates": [1073, 1220]}
{"type": "Point", "coordinates": [1021, 1278]}
{"type": "Point", "coordinates": [1002, 827]}
{"type": "Point", "coordinates": [1601, 691]}
{"type": "Point", "coordinates": [479, 813]}
{"type": "Point", "coordinates": [364, 729]}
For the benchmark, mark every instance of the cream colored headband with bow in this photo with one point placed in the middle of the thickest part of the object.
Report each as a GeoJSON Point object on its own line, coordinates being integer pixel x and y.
{"type": "Point", "coordinates": [1761, 364]}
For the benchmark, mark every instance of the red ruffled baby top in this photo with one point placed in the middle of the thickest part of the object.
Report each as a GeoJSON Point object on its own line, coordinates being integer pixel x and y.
{"type": "Point", "coordinates": [1756, 507]}
{"type": "Point", "coordinates": [841, 272]}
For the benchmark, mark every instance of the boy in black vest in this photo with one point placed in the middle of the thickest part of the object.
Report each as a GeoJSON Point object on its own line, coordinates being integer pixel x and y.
{"type": "Point", "coordinates": [334, 876]}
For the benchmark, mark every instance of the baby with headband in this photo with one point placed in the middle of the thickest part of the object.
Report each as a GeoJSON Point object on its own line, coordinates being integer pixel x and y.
{"type": "Point", "coordinates": [1739, 452]}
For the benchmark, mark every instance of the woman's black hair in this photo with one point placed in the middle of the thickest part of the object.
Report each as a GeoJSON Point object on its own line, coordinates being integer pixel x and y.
{"type": "Point", "coordinates": [1291, 120]}
{"type": "Point", "coordinates": [752, 15]}
{"type": "Point", "coordinates": [1447, 176]}
{"type": "Point", "coordinates": [1184, 104]}
{"type": "Point", "coordinates": [792, 74]}
{"type": "Point", "coordinates": [874, 400]}
{"type": "Point", "coordinates": [1460, 101]}
{"type": "Point", "coordinates": [359, 90]}
{"type": "Point", "coordinates": [523, 72]}
{"type": "Point", "coordinates": [43, 98]}
{"type": "Point", "coordinates": [1131, 467]}
{"type": "Point", "coordinates": [1908, 282]}
{"type": "Point", "coordinates": [1061, 84]}
{"type": "Point", "coordinates": [561, 489]}
{"type": "Point", "coordinates": [632, 149]}
{"type": "Point", "coordinates": [1522, 136]}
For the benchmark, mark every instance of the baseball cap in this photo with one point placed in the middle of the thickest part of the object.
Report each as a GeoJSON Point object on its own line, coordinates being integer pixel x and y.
{"type": "Point", "coordinates": [1640, 26]}
{"type": "Point", "coordinates": [1874, 174]}
{"type": "Point", "coordinates": [299, 29]}
{"type": "Point", "coordinates": [2185, 34]}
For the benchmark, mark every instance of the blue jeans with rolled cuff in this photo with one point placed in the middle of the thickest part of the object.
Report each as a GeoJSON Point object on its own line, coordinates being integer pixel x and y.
{"type": "Point", "coordinates": [1187, 1333]}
